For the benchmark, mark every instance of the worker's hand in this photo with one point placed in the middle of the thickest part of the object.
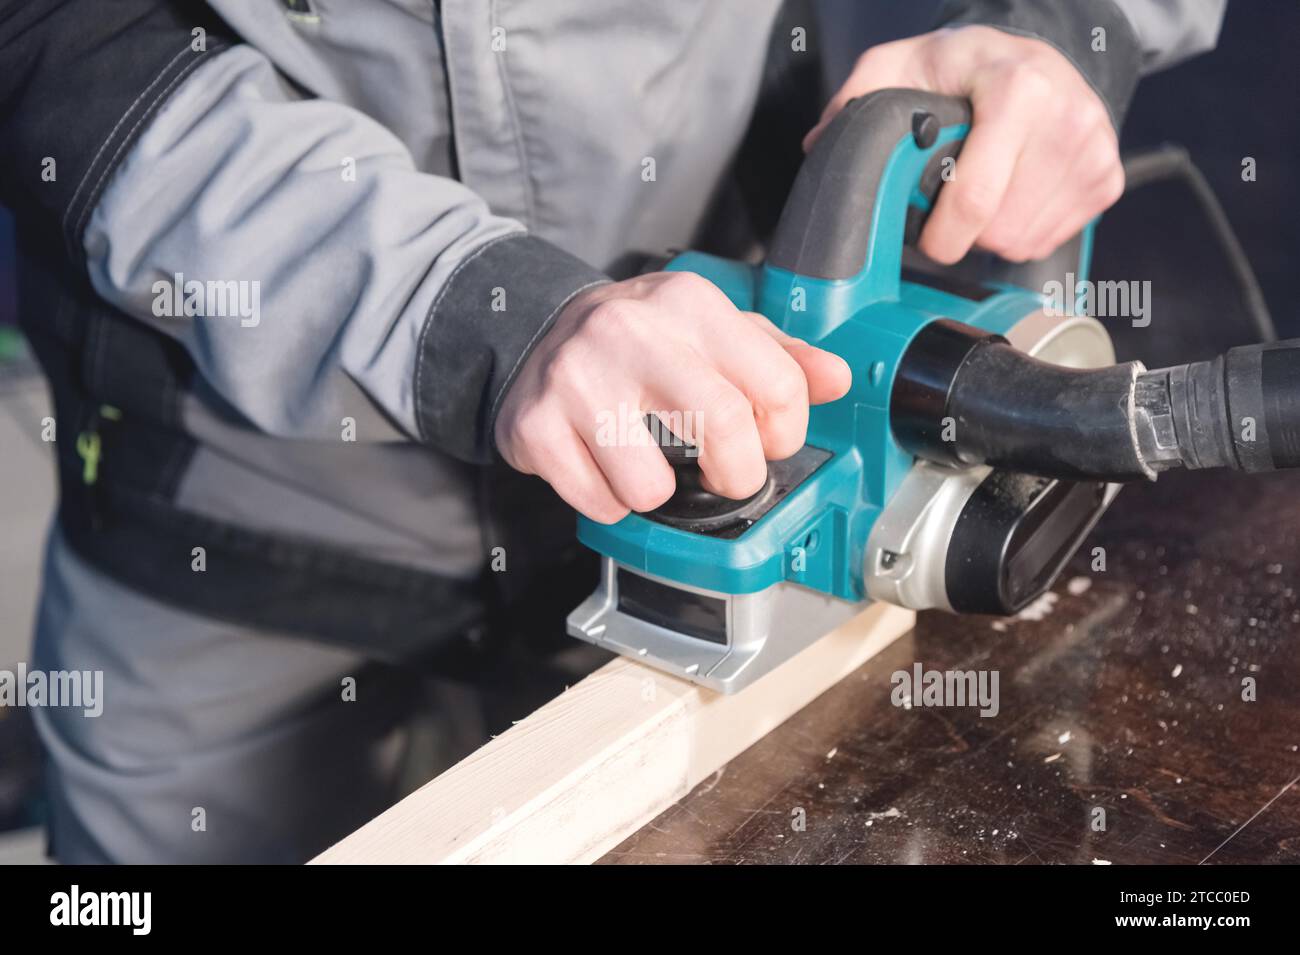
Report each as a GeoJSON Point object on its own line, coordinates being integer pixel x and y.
{"type": "Point", "coordinates": [1041, 159]}
{"type": "Point", "coordinates": [669, 343]}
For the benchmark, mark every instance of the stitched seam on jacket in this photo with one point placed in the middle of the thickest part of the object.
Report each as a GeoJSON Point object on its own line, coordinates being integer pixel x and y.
{"type": "Point", "coordinates": [516, 129]}
{"type": "Point", "coordinates": [113, 132]}
{"type": "Point", "coordinates": [420, 361]}
{"type": "Point", "coordinates": [127, 140]}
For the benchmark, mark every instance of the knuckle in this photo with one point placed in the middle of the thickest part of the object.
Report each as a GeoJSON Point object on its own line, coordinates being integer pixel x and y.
{"type": "Point", "coordinates": [1019, 253]}
{"type": "Point", "coordinates": [564, 367]}
{"type": "Point", "coordinates": [616, 318]}
{"type": "Point", "coordinates": [1112, 187]}
{"type": "Point", "coordinates": [650, 491]}
{"type": "Point", "coordinates": [747, 484]}
{"type": "Point", "coordinates": [787, 444]}
{"type": "Point", "coordinates": [528, 420]}
{"type": "Point", "coordinates": [1000, 239]}
{"type": "Point", "coordinates": [688, 280]}
{"type": "Point", "coordinates": [1028, 81]}
{"type": "Point", "coordinates": [933, 246]}
{"type": "Point", "coordinates": [538, 430]}
{"type": "Point", "coordinates": [785, 390]}
{"type": "Point", "coordinates": [1092, 115]}
{"type": "Point", "coordinates": [869, 60]}
{"type": "Point", "coordinates": [974, 201]}
{"type": "Point", "coordinates": [728, 415]}
{"type": "Point", "coordinates": [1101, 158]}
{"type": "Point", "coordinates": [689, 285]}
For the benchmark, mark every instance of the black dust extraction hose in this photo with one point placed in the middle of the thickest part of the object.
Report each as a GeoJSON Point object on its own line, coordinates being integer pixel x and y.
{"type": "Point", "coordinates": [1240, 410]}
{"type": "Point", "coordinates": [962, 396]}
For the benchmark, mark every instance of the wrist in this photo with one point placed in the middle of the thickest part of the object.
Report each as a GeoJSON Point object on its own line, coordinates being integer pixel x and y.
{"type": "Point", "coordinates": [489, 316]}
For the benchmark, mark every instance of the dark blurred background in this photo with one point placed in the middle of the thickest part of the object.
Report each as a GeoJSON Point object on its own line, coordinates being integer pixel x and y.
{"type": "Point", "coordinates": [1241, 100]}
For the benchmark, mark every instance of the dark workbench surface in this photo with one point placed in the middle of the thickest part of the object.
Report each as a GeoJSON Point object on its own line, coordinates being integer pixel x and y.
{"type": "Point", "coordinates": [1126, 695]}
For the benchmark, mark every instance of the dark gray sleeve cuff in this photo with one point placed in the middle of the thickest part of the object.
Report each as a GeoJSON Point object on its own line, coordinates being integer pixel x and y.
{"type": "Point", "coordinates": [487, 318]}
{"type": "Point", "coordinates": [1069, 26]}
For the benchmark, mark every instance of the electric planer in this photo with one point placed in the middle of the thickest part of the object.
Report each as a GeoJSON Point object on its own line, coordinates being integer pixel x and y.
{"type": "Point", "coordinates": [981, 440]}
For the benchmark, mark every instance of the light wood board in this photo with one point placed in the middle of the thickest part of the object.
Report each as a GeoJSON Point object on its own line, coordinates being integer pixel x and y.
{"type": "Point", "coordinates": [585, 771]}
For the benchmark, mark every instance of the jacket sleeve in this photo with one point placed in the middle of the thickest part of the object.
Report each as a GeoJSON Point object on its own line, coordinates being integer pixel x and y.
{"type": "Point", "coordinates": [289, 243]}
{"type": "Point", "coordinates": [1111, 42]}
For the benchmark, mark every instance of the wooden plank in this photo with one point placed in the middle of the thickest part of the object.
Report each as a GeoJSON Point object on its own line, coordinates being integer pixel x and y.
{"type": "Point", "coordinates": [592, 766]}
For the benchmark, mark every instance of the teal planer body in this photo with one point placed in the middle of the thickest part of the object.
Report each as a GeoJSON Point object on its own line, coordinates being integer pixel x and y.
{"type": "Point", "coordinates": [853, 516]}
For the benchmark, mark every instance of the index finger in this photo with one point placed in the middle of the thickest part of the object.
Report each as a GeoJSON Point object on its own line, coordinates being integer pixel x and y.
{"type": "Point", "coordinates": [1003, 117]}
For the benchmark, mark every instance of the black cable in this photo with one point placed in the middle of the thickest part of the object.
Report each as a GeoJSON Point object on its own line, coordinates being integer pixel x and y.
{"type": "Point", "coordinates": [1171, 162]}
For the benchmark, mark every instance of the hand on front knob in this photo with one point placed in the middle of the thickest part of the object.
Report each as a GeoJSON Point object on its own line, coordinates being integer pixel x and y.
{"type": "Point", "coordinates": [671, 344]}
